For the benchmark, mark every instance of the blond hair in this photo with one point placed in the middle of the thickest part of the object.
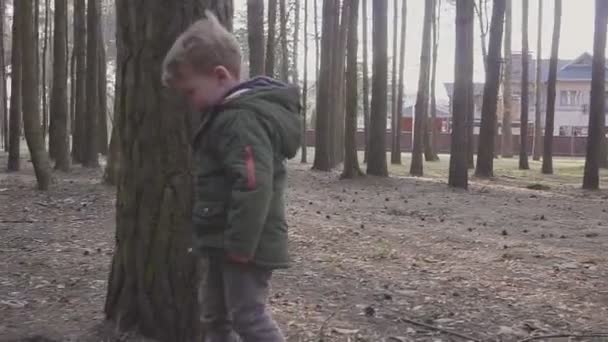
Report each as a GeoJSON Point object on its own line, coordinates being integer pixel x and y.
{"type": "Point", "coordinates": [205, 45]}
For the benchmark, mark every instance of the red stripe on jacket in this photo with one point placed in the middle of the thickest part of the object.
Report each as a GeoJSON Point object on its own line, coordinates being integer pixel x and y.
{"type": "Point", "coordinates": [250, 167]}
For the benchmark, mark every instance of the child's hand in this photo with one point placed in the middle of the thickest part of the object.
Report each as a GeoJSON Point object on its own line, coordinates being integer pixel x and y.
{"type": "Point", "coordinates": [237, 259]}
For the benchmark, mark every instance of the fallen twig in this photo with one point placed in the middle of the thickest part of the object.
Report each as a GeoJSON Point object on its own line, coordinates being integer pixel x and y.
{"type": "Point", "coordinates": [17, 221]}
{"type": "Point", "coordinates": [441, 330]}
{"type": "Point", "coordinates": [534, 338]}
{"type": "Point", "coordinates": [325, 324]}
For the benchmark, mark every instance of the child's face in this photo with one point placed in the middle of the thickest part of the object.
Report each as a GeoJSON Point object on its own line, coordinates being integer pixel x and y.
{"type": "Point", "coordinates": [204, 90]}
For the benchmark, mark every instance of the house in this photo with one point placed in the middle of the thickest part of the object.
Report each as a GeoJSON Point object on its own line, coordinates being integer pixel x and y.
{"type": "Point", "coordinates": [573, 92]}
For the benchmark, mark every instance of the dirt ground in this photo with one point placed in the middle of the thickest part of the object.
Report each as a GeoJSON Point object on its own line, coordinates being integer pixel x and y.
{"type": "Point", "coordinates": [374, 259]}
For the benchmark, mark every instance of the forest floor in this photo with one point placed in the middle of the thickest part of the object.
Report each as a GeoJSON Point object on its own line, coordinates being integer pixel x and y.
{"type": "Point", "coordinates": [394, 259]}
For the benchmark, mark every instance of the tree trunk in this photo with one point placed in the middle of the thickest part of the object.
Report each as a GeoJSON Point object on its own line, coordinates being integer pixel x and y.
{"type": "Point", "coordinates": [31, 109]}
{"type": "Point", "coordinates": [3, 109]}
{"type": "Point", "coordinates": [395, 129]}
{"type": "Point", "coordinates": [396, 157]}
{"type": "Point", "coordinates": [153, 280]}
{"type": "Point", "coordinates": [103, 96]}
{"type": "Point", "coordinates": [463, 93]}
{"type": "Point", "coordinates": [304, 152]}
{"type": "Point", "coordinates": [91, 148]}
{"type": "Point", "coordinates": [487, 134]}
{"type": "Point", "coordinates": [338, 86]}
{"type": "Point", "coordinates": [284, 50]}
{"type": "Point", "coordinates": [14, 142]}
{"type": "Point", "coordinates": [45, 43]}
{"type": "Point", "coordinates": [376, 163]}
{"type": "Point", "coordinates": [422, 99]}
{"type": "Point", "coordinates": [538, 129]}
{"type": "Point", "coordinates": [317, 41]}
{"type": "Point", "coordinates": [351, 160]}
{"type": "Point", "coordinates": [591, 180]}
{"type": "Point", "coordinates": [433, 131]}
{"type": "Point", "coordinates": [270, 42]}
{"type": "Point", "coordinates": [72, 92]}
{"type": "Point", "coordinates": [523, 149]}
{"type": "Point", "coordinates": [481, 10]}
{"type": "Point", "coordinates": [255, 29]}
{"type": "Point", "coordinates": [323, 142]}
{"type": "Point", "coordinates": [80, 109]}
{"type": "Point", "coordinates": [296, 41]}
{"type": "Point", "coordinates": [365, 89]}
{"type": "Point", "coordinates": [507, 115]}
{"type": "Point", "coordinates": [59, 139]}
{"type": "Point", "coordinates": [551, 92]}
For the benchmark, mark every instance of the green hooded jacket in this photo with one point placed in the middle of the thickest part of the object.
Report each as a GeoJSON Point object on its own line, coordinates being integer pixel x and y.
{"type": "Point", "coordinates": [240, 153]}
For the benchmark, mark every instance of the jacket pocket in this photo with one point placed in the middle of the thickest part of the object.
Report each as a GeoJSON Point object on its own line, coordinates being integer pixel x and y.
{"type": "Point", "coordinates": [209, 216]}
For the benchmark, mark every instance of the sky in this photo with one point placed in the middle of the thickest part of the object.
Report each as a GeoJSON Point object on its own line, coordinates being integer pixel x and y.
{"type": "Point", "coordinates": [576, 35]}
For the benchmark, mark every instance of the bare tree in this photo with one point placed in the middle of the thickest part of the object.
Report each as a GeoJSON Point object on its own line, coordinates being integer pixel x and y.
{"type": "Point", "coordinates": [538, 128]}
{"type": "Point", "coordinates": [304, 153]}
{"type": "Point", "coordinates": [255, 29]}
{"type": "Point", "coordinates": [395, 124]}
{"type": "Point", "coordinates": [296, 41]}
{"type": "Point", "coordinates": [271, 37]}
{"type": "Point", "coordinates": [338, 68]}
{"type": "Point", "coordinates": [45, 44]}
{"type": "Point", "coordinates": [283, 36]}
{"type": "Point", "coordinates": [507, 115]}
{"type": "Point", "coordinates": [422, 99]}
{"type": "Point", "coordinates": [102, 87]}
{"type": "Point", "coordinates": [3, 108]}
{"type": "Point", "coordinates": [58, 139]}
{"type": "Point", "coordinates": [481, 9]}
{"type": "Point", "coordinates": [91, 158]}
{"type": "Point", "coordinates": [551, 91]}
{"type": "Point", "coordinates": [433, 127]}
{"type": "Point", "coordinates": [14, 146]}
{"type": "Point", "coordinates": [525, 81]}
{"type": "Point", "coordinates": [396, 157]}
{"type": "Point", "coordinates": [376, 163]}
{"type": "Point", "coordinates": [31, 109]}
{"type": "Point", "coordinates": [487, 134]}
{"type": "Point", "coordinates": [463, 93]}
{"type": "Point", "coordinates": [591, 180]}
{"type": "Point", "coordinates": [80, 106]}
{"type": "Point", "coordinates": [365, 82]}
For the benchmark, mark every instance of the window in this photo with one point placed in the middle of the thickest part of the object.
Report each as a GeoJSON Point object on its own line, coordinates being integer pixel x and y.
{"type": "Point", "coordinates": [573, 98]}
{"type": "Point", "coordinates": [563, 98]}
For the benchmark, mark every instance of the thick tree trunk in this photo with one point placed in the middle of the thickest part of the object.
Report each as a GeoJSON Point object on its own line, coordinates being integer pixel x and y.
{"type": "Point", "coordinates": [284, 50]}
{"type": "Point", "coordinates": [80, 109]}
{"type": "Point", "coordinates": [3, 109]}
{"type": "Point", "coordinates": [338, 88]}
{"type": "Point", "coordinates": [304, 152]}
{"type": "Point", "coordinates": [255, 37]}
{"type": "Point", "coordinates": [14, 142]}
{"type": "Point", "coordinates": [351, 160]}
{"type": "Point", "coordinates": [396, 157]}
{"type": "Point", "coordinates": [72, 92]}
{"type": "Point", "coordinates": [395, 129]}
{"type": "Point", "coordinates": [551, 91]}
{"type": "Point", "coordinates": [538, 128]}
{"type": "Point", "coordinates": [31, 109]}
{"type": "Point", "coordinates": [45, 43]}
{"type": "Point", "coordinates": [463, 93]}
{"type": "Point", "coordinates": [365, 79]}
{"type": "Point", "coordinates": [59, 139]}
{"type": "Point", "coordinates": [591, 180]}
{"type": "Point", "coordinates": [422, 99]}
{"type": "Point", "coordinates": [525, 81]}
{"type": "Point", "coordinates": [507, 115]}
{"type": "Point", "coordinates": [103, 96]}
{"type": "Point", "coordinates": [433, 131]}
{"type": "Point", "coordinates": [153, 280]}
{"type": "Point", "coordinates": [317, 40]}
{"type": "Point", "coordinates": [485, 155]}
{"type": "Point", "coordinates": [376, 163]}
{"type": "Point", "coordinates": [271, 37]}
{"type": "Point", "coordinates": [323, 142]}
{"type": "Point", "coordinates": [91, 148]}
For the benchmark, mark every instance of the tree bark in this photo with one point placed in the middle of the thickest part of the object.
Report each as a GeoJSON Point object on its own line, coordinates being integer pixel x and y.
{"type": "Point", "coordinates": [153, 280]}
{"type": "Point", "coordinates": [395, 129]}
{"type": "Point", "coordinates": [351, 160]}
{"type": "Point", "coordinates": [103, 96]}
{"type": "Point", "coordinates": [523, 149]}
{"type": "Point", "coordinates": [59, 139]}
{"type": "Point", "coordinates": [422, 99]}
{"type": "Point", "coordinates": [270, 42]}
{"type": "Point", "coordinates": [396, 157]}
{"type": "Point", "coordinates": [507, 115]}
{"type": "Point", "coordinates": [296, 41]}
{"type": "Point", "coordinates": [591, 180]}
{"type": "Point", "coordinates": [551, 92]}
{"type": "Point", "coordinates": [463, 93]}
{"type": "Point", "coordinates": [91, 148]}
{"type": "Point", "coordinates": [366, 108]}
{"type": "Point", "coordinates": [433, 129]}
{"type": "Point", "coordinates": [317, 40]}
{"type": "Point", "coordinates": [538, 128]}
{"type": "Point", "coordinates": [487, 134]}
{"type": "Point", "coordinates": [323, 142]}
{"type": "Point", "coordinates": [31, 109]}
{"type": "Point", "coordinates": [480, 9]}
{"type": "Point", "coordinates": [304, 153]}
{"type": "Point", "coordinates": [255, 29]}
{"type": "Point", "coordinates": [338, 86]}
{"type": "Point", "coordinates": [45, 43]}
{"type": "Point", "coordinates": [376, 165]}
{"type": "Point", "coordinates": [284, 50]}
{"type": "Point", "coordinates": [3, 108]}
{"type": "Point", "coordinates": [14, 146]}
{"type": "Point", "coordinates": [80, 109]}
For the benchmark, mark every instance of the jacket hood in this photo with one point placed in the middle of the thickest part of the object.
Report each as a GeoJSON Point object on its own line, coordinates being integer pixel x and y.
{"type": "Point", "coordinates": [275, 102]}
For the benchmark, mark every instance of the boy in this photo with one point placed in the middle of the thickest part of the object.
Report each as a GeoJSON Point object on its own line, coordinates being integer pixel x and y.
{"type": "Point", "coordinates": [248, 130]}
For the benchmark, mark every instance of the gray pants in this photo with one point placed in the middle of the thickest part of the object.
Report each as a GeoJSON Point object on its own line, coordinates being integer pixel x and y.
{"type": "Point", "coordinates": [233, 303]}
